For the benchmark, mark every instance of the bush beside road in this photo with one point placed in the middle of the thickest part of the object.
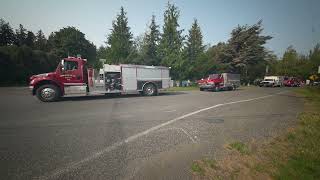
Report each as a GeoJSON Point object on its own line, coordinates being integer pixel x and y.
{"type": "Point", "coordinates": [293, 155]}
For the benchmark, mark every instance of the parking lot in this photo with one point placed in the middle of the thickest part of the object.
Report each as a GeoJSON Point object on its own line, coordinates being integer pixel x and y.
{"type": "Point", "coordinates": [133, 137]}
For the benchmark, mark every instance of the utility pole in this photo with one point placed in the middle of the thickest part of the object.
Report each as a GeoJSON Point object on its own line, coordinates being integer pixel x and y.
{"type": "Point", "coordinates": [267, 70]}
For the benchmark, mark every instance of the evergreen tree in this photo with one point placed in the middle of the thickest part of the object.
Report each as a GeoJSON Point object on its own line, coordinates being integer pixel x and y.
{"type": "Point", "coordinates": [21, 36]}
{"type": "Point", "coordinates": [120, 40]}
{"type": "Point", "coordinates": [7, 35]}
{"type": "Point", "coordinates": [40, 41]}
{"type": "Point", "coordinates": [171, 43]}
{"type": "Point", "coordinates": [194, 48]}
{"type": "Point", "coordinates": [30, 39]}
{"type": "Point", "coordinates": [150, 44]}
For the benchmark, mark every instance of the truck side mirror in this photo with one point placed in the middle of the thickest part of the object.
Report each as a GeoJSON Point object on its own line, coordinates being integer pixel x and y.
{"type": "Point", "coordinates": [62, 64]}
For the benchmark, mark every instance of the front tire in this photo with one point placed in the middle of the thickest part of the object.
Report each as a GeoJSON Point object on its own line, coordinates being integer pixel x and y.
{"type": "Point", "coordinates": [149, 90]}
{"type": "Point", "coordinates": [48, 93]}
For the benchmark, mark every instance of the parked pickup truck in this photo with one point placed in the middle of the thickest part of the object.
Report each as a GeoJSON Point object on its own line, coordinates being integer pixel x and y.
{"type": "Point", "coordinates": [272, 81]}
{"type": "Point", "coordinates": [217, 82]}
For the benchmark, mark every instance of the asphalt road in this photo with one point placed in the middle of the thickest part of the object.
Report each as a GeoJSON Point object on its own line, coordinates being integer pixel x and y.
{"type": "Point", "coordinates": [133, 137]}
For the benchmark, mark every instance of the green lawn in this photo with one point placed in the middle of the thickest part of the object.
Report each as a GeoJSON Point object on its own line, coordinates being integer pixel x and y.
{"type": "Point", "coordinates": [304, 163]}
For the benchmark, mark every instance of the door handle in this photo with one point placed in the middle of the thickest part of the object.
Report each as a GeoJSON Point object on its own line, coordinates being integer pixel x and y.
{"type": "Point", "coordinates": [78, 77]}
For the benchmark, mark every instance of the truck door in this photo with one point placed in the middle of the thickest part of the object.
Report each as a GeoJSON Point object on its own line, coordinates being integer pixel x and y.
{"type": "Point", "coordinates": [72, 78]}
{"type": "Point", "coordinates": [72, 73]}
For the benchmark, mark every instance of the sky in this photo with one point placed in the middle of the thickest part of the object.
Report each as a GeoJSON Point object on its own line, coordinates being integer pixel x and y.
{"type": "Point", "coordinates": [290, 22]}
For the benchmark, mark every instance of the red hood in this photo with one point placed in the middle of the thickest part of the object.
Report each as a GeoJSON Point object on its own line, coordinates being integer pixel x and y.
{"type": "Point", "coordinates": [201, 81]}
{"type": "Point", "coordinates": [42, 75]}
{"type": "Point", "coordinates": [39, 77]}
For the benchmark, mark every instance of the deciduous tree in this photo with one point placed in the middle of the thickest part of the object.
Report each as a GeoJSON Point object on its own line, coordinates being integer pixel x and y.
{"type": "Point", "coordinates": [246, 50]}
{"type": "Point", "coordinates": [70, 41]}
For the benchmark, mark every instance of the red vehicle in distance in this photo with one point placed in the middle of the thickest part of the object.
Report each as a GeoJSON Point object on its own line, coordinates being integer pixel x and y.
{"type": "Point", "coordinates": [217, 82]}
{"type": "Point", "coordinates": [291, 82]}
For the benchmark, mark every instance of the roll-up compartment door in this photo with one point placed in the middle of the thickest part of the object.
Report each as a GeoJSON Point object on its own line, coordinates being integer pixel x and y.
{"type": "Point", "coordinates": [129, 79]}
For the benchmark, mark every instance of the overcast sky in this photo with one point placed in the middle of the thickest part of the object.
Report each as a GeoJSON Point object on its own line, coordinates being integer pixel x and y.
{"type": "Point", "coordinates": [290, 22]}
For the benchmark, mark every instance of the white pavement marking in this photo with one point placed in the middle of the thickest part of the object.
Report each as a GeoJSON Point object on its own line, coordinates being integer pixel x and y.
{"type": "Point", "coordinates": [77, 164]}
{"type": "Point", "coordinates": [184, 131]}
{"type": "Point", "coordinates": [187, 134]}
{"type": "Point", "coordinates": [170, 111]}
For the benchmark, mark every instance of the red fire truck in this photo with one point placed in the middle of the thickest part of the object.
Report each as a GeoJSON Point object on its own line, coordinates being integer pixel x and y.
{"type": "Point", "coordinates": [73, 77]}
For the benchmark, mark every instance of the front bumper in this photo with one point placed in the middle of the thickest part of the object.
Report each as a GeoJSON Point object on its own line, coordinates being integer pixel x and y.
{"type": "Point", "coordinates": [267, 84]}
{"type": "Point", "coordinates": [31, 89]}
{"type": "Point", "coordinates": [207, 86]}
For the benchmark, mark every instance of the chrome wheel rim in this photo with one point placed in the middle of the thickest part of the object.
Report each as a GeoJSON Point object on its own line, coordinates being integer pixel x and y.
{"type": "Point", "coordinates": [150, 90]}
{"type": "Point", "coordinates": [47, 93]}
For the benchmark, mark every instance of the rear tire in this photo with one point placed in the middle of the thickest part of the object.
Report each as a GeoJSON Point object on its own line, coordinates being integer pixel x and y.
{"type": "Point", "coordinates": [48, 93]}
{"type": "Point", "coordinates": [149, 90]}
